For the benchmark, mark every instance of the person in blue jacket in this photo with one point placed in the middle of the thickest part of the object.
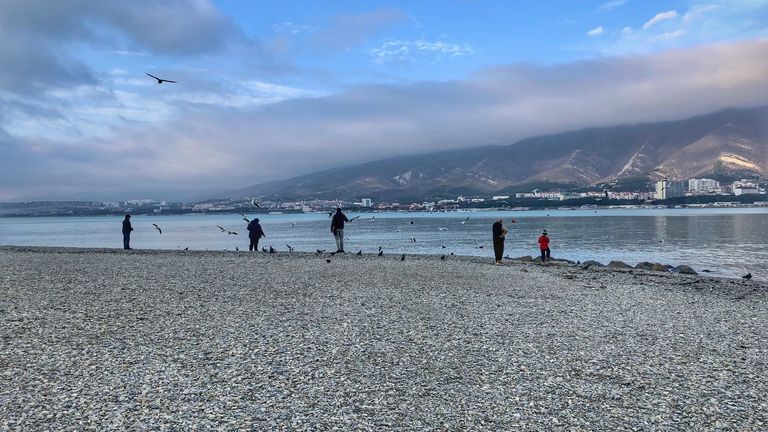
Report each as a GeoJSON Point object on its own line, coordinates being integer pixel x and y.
{"type": "Point", "coordinates": [254, 234]}
{"type": "Point", "coordinates": [127, 228]}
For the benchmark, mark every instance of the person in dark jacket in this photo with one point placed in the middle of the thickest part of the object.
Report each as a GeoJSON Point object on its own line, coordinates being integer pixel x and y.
{"type": "Point", "coordinates": [127, 228]}
{"type": "Point", "coordinates": [499, 233]}
{"type": "Point", "coordinates": [254, 234]}
{"type": "Point", "coordinates": [337, 228]}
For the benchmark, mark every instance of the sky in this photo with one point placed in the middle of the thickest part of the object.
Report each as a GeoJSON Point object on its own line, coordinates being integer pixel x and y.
{"type": "Point", "coordinates": [271, 89]}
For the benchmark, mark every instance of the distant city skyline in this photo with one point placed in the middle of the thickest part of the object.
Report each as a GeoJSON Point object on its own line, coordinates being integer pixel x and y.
{"type": "Point", "coordinates": [269, 90]}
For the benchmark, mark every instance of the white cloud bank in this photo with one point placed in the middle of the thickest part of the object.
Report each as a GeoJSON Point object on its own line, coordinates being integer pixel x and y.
{"type": "Point", "coordinates": [198, 147]}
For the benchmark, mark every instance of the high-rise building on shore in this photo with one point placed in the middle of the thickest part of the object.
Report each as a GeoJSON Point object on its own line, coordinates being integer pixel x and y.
{"type": "Point", "coordinates": [665, 189]}
{"type": "Point", "coordinates": [703, 185]}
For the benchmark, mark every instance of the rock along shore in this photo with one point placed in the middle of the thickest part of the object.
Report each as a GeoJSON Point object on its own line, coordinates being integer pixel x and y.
{"type": "Point", "coordinates": [169, 340]}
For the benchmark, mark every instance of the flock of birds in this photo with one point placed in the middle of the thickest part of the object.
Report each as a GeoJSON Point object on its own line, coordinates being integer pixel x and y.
{"type": "Point", "coordinates": [328, 255]}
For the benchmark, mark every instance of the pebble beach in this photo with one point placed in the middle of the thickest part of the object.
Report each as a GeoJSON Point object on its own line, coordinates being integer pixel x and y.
{"type": "Point", "coordinates": [99, 339]}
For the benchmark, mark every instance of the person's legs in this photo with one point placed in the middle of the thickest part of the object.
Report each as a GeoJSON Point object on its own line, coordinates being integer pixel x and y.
{"type": "Point", "coordinates": [549, 255]}
{"type": "Point", "coordinates": [543, 255]}
{"type": "Point", "coordinates": [254, 244]}
{"type": "Point", "coordinates": [126, 240]}
{"type": "Point", "coordinates": [498, 249]}
{"type": "Point", "coordinates": [340, 240]}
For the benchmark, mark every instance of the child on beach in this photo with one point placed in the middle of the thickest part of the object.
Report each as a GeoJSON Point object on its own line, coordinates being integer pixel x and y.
{"type": "Point", "coordinates": [544, 246]}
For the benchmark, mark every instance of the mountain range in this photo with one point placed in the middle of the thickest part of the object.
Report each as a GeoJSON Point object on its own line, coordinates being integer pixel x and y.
{"type": "Point", "coordinates": [730, 143]}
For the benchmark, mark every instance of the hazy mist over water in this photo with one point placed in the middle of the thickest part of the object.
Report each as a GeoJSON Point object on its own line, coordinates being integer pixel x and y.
{"type": "Point", "coordinates": [730, 242]}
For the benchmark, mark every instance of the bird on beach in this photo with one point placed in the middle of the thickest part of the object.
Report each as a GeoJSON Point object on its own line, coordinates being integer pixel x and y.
{"type": "Point", "coordinates": [402, 257]}
{"type": "Point", "coordinates": [747, 276]}
{"type": "Point", "coordinates": [464, 221]}
{"type": "Point", "coordinates": [237, 249]}
{"type": "Point", "coordinates": [160, 80]}
{"type": "Point", "coordinates": [290, 249]}
{"type": "Point", "coordinates": [272, 250]}
{"type": "Point", "coordinates": [360, 252]}
{"type": "Point", "coordinates": [381, 253]}
{"type": "Point", "coordinates": [328, 260]}
{"type": "Point", "coordinates": [186, 248]}
{"type": "Point", "coordinates": [480, 247]}
{"type": "Point", "coordinates": [264, 249]}
{"type": "Point", "coordinates": [442, 257]}
{"type": "Point", "coordinates": [245, 218]}
{"type": "Point", "coordinates": [320, 251]}
{"type": "Point", "coordinates": [443, 246]}
{"type": "Point", "coordinates": [157, 228]}
{"type": "Point", "coordinates": [373, 219]}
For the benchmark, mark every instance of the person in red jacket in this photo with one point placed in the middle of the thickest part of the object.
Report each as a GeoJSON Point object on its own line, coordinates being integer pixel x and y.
{"type": "Point", "coordinates": [544, 246]}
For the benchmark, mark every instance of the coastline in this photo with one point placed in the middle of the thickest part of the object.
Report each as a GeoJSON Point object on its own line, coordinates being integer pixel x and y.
{"type": "Point", "coordinates": [106, 338]}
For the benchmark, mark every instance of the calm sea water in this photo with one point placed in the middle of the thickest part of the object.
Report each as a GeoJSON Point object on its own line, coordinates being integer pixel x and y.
{"type": "Point", "coordinates": [730, 242]}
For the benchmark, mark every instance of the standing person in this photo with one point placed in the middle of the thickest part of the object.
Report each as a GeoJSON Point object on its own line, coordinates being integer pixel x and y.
{"type": "Point", "coordinates": [544, 246]}
{"type": "Point", "coordinates": [337, 228]}
{"type": "Point", "coordinates": [127, 228]}
{"type": "Point", "coordinates": [254, 234]}
{"type": "Point", "coordinates": [499, 233]}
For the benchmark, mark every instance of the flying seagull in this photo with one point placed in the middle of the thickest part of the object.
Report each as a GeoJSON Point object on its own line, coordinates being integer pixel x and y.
{"type": "Point", "coordinates": [245, 218]}
{"type": "Point", "coordinates": [255, 201]}
{"type": "Point", "coordinates": [442, 229]}
{"type": "Point", "coordinates": [443, 246]}
{"type": "Point", "coordinates": [413, 239]}
{"type": "Point", "coordinates": [160, 80]}
{"type": "Point", "coordinates": [232, 233]}
{"type": "Point", "coordinates": [747, 276]}
{"type": "Point", "coordinates": [413, 221]}
{"type": "Point", "coordinates": [465, 221]}
{"type": "Point", "coordinates": [186, 248]}
{"type": "Point", "coordinates": [290, 249]}
{"type": "Point", "coordinates": [157, 228]}
{"type": "Point", "coordinates": [222, 229]}
{"type": "Point", "coordinates": [356, 217]}
{"type": "Point", "coordinates": [293, 224]}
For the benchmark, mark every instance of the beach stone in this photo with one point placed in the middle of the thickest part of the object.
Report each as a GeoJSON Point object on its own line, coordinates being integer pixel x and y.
{"type": "Point", "coordinates": [591, 263]}
{"type": "Point", "coordinates": [684, 269]}
{"type": "Point", "coordinates": [645, 265]}
{"type": "Point", "coordinates": [619, 265]}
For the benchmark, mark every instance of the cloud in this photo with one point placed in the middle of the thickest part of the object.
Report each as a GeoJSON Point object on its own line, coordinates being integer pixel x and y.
{"type": "Point", "coordinates": [348, 31]}
{"type": "Point", "coordinates": [660, 17]}
{"type": "Point", "coordinates": [35, 33]}
{"type": "Point", "coordinates": [198, 148]}
{"type": "Point", "coordinates": [398, 51]}
{"type": "Point", "coordinates": [597, 31]}
{"type": "Point", "coordinates": [611, 5]}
